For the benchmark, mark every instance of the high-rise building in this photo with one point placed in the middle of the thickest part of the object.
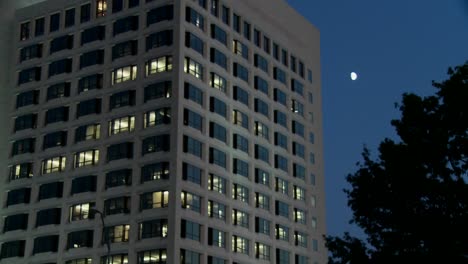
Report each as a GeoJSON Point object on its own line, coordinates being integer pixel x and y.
{"type": "Point", "coordinates": [172, 131]}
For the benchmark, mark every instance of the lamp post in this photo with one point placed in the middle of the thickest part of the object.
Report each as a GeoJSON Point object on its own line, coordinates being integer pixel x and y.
{"type": "Point", "coordinates": [104, 237]}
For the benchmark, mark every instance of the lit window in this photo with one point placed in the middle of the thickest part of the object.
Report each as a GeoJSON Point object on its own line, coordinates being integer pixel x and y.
{"type": "Point", "coordinates": [300, 239]}
{"type": "Point", "coordinates": [193, 68]}
{"type": "Point", "coordinates": [190, 201]}
{"type": "Point", "coordinates": [217, 184]}
{"type": "Point", "coordinates": [216, 210]}
{"type": "Point", "coordinates": [152, 200]}
{"type": "Point", "coordinates": [240, 245]}
{"type": "Point", "coordinates": [157, 117]}
{"type": "Point", "coordinates": [115, 234]}
{"type": "Point", "coordinates": [218, 82]}
{"type": "Point", "coordinates": [299, 193]}
{"type": "Point", "coordinates": [282, 232]}
{"type": "Point", "coordinates": [80, 211]}
{"type": "Point", "coordinates": [154, 256]}
{"type": "Point", "coordinates": [262, 251]}
{"type": "Point", "coordinates": [55, 164]}
{"type": "Point", "coordinates": [86, 158]}
{"type": "Point", "coordinates": [158, 65]}
{"type": "Point", "coordinates": [101, 8]}
{"type": "Point", "coordinates": [124, 74]}
{"type": "Point", "coordinates": [300, 216]}
{"type": "Point", "coordinates": [122, 124]}
{"type": "Point", "coordinates": [240, 218]}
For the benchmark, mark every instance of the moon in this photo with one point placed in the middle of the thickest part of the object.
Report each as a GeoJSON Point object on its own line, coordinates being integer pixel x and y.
{"type": "Point", "coordinates": [353, 76]}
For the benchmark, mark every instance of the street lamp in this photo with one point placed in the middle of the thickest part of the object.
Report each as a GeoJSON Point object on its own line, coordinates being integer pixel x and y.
{"type": "Point", "coordinates": [104, 237]}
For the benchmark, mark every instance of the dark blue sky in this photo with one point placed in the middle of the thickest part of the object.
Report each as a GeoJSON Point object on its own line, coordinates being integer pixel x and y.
{"type": "Point", "coordinates": [395, 46]}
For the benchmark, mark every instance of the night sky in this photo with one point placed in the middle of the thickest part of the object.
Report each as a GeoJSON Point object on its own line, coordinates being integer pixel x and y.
{"type": "Point", "coordinates": [395, 47]}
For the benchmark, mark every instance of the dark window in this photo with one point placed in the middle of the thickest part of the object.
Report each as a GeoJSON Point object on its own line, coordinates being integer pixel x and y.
{"type": "Point", "coordinates": [225, 16]}
{"type": "Point", "coordinates": [194, 18]}
{"type": "Point", "coordinates": [15, 222]}
{"type": "Point", "coordinates": [241, 95]}
{"type": "Point", "coordinates": [193, 93]}
{"type": "Point", "coordinates": [236, 23]}
{"type": "Point", "coordinates": [281, 140]}
{"type": "Point", "coordinates": [301, 69]}
{"type": "Point", "coordinates": [59, 114]}
{"type": "Point", "coordinates": [21, 171]}
{"type": "Point", "coordinates": [158, 90]}
{"type": "Point", "coordinates": [88, 107]}
{"type": "Point", "coordinates": [152, 228]}
{"type": "Point", "coordinates": [40, 25]}
{"type": "Point", "coordinates": [70, 17]}
{"type": "Point", "coordinates": [193, 119]}
{"type": "Point", "coordinates": [241, 143]}
{"type": "Point", "coordinates": [261, 63]}
{"type": "Point", "coordinates": [217, 157]}
{"type": "Point", "coordinates": [247, 30]}
{"type": "Point", "coordinates": [218, 34]}
{"type": "Point", "coordinates": [120, 151]}
{"type": "Point", "coordinates": [279, 96]}
{"type": "Point", "coordinates": [61, 43]}
{"type": "Point", "coordinates": [261, 107]}
{"type": "Point", "coordinates": [25, 122]}
{"type": "Point", "coordinates": [13, 249]}
{"type": "Point", "coordinates": [241, 72]}
{"type": "Point", "coordinates": [217, 131]}
{"type": "Point", "coordinates": [159, 39]}
{"type": "Point", "coordinates": [217, 106]}
{"type": "Point", "coordinates": [257, 37]}
{"type": "Point", "coordinates": [194, 42]}
{"type": "Point", "coordinates": [133, 3]}
{"type": "Point", "coordinates": [280, 118]}
{"type": "Point", "coordinates": [25, 29]}
{"type": "Point", "coordinates": [54, 22]}
{"type": "Point", "coordinates": [218, 57]}
{"type": "Point", "coordinates": [90, 82]}
{"type": "Point", "coordinates": [55, 139]}
{"type": "Point", "coordinates": [297, 128]}
{"type": "Point", "coordinates": [91, 58]}
{"type": "Point", "coordinates": [59, 90]}
{"type": "Point", "coordinates": [261, 85]}
{"type": "Point", "coordinates": [155, 144]}
{"type": "Point", "coordinates": [119, 205]}
{"type": "Point", "coordinates": [83, 184]}
{"type": "Point", "coordinates": [240, 167]}
{"type": "Point", "coordinates": [60, 66]}
{"type": "Point", "coordinates": [93, 34]}
{"type": "Point", "coordinates": [127, 48]}
{"type": "Point", "coordinates": [117, 178]}
{"type": "Point", "coordinates": [48, 217]}
{"type": "Point", "coordinates": [23, 146]}
{"type": "Point", "coordinates": [193, 146]}
{"type": "Point", "coordinates": [284, 57]}
{"type": "Point", "coordinates": [82, 238]}
{"type": "Point", "coordinates": [46, 244]}
{"type": "Point", "coordinates": [191, 173]}
{"type": "Point", "coordinates": [85, 14]}
{"type": "Point", "coordinates": [121, 99]}
{"type": "Point", "coordinates": [117, 6]}
{"type": "Point", "coordinates": [31, 52]}
{"type": "Point", "coordinates": [281, 163]}
{"type": "Point", "coordinates": [262, 153]}
{"type": "Point", "coordinates": [297, 86]}
{"type": "Point", "coordinates": [155, 171]}
{"type": "Point", "coordinates": [125, 24]}
{"type": "Point", "coordinates": [50, 190]}
{"type": "Point", "coordinates": [29, 75]}
{"type": "Point", "coordinates": [27, 98]}
{"type": "Point", "coordinates": [293, 63]}
{"type": "Point", "coordinates": [276, 51]}
{"type": "Point", "coordinates": [18, 196]}
{"type": "Point", "coordinates": [266, 44]}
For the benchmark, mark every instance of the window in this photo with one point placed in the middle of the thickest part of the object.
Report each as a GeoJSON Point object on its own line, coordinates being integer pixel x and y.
{"type": "Point", "coordinates": [240, 218]}
{"type": "Point", "coordinates": [50, 216]}
{"type": "Point", "coordinates": [122, 99]}
{"type": "Point", "coordinates": [30, 52]}
{"type": "Point", "coordinates": [279, 75]}
{"type": "Point", "coordinates": [85, 14]}
{"type": "Point", "coordinates": [217, 184]}
{"type": "Point", "coordinates": [12, 249]}
{"type": "Point", "coordinates": [262, 201]}
{"type": "Point", "coordinates": [193, 93]}
{"type": "Point", "coordinates": [157, 117]}
{"type": "Point", "coordinates": [117, 6]}
{"type": "Point", "coordinates": [93, 34]}
{"type": "Point", "coordinates": [225, 15]}
{"type": "Point", "coordinates": [216, 210]}
{"type": "Point", "coordinates": [262, 177]}
{"type": "Point", "coordinates": [262, 251]}
{"type": "Point", "coordinates": [297, 87]}
{"type": "Point", "coordinates": [80, 211]}
{"type": "Point", "coordinates": [261, 63]}
{"type": "Point", "coordinates": [90, 82]}
{"type": "Point", "coordinates": [133, 3]}
{"type": "Point", "coordinates": [266, 44]}
{"type": "Point", "coordinates": [160, 14]}
{"type": "Point", "coordinates": [240, 48]}
{"type": "Point", "coordinates": [159, 39]}
{"type": "Point", "coordinates": [193, 68]}
{"type": "Point", "coordinates": [155, 144]}
{"type": "Point", "coordinates": [50, 190]}
{"type": "Point", "coordinates": [157, 65]}
{"type": "Point", "coordinates": [122, 177]}
{"type": "Point", "coordinates": [190, 201]}
{"type": "Point", "coordinates": [214, 8]}
{"type": "Point", "coordinates": [261, 107]}
{"type": "Point", "coordinates": [241, 143]}
{"type": "Point", "coordinates": [120, 151]}
{"type": "Point", "coordinates": [194, 18]}
{"type": "Point", "coordinates": [297, 107]}
{"type": "Point", "coordinates": [59, 90]}
{"type": "Point", "coordinates": [217, 157]}
{"type": "Point", "coordinates": [87, 132]}
{"type": "Point", "coordinates": [21, 171]}
{"type": "Point", "coordinates": [218, 34]}
{"type": "Point", "coordinates": [217, 106]}
{"type": "Point", "coordinates": [293, 63]}
{"type": "Point", "coordinates": [219, 132]}
{"type": "Point", "coordinates": [281, 186]}
{"type": "Point", "coordinates": [123, 49]}
{"type": "Point", "coordinates": [298, 171]}
{"type": "Point", "coordinates": [122, 124]}
{"type": "Point", "coordinates": [262, 153]}
{"type": "Point", "coordinates": [54, 164]}
{"type": "Point", "coordinates": [46, 244]}
{"type": "Point", "coordinates": [118, 205]}
{"type": "Point", "coordinates": [194, 42]}
{"type": "Point", "coordinates": [261, 85]}
{"type": "Point", "coordinates": [193, 146]}
{"type": "Point", "coordinates": [25, 122]}
{"type": "Point", "coordinates": [218, 58]}
{"type": "Point", "coordinates": [297, 128]}
{"type": "Point", "coordinates": [15, 222]}
{"type": "Point", "coordinates": [191, 173]}
{"type": "Point", "coordinates": [280, 118]}
{"type": "Point", "coordinates": [155, 171]}
{"type": "Point", "coordinates": [240, 245]}
{"type": "Point", "coordinates": [158, 90]}
{"type": "Point", "coordinates": [301, 259]}
{"type": "Point", "coordinates": [116, 234]}
{"type": "Point", "coordinates": [159, 199]}
{"type": "Point", "coordinates": [262, 130]}
{"type": "Point", "coordinates": [257, 37]}
{"type": "Point", "coordinates": [284, 57]}
{"type": "Point", "coordinates": [309, 75]}
{"type": "Point", "coordinates": [240, 167]}
{"type": "Point", "coordinates": [189, 257]}
{"type": "Point", "coordinates": [29, 75]}
{"type": "Point", "coordinates": [18, 196]}
{"type": "Point", "coordinates": [23, 146]}
{"type": "Point", "coordinates": [282, 232]}
{"type": "Point", "coordinates": [193, 119]}
{"type": "Point", "coordinates": [300, 216]}
{"type": "Point", "coordinates": [282, 256]}
{"type": "Point", "coordinates": [154, 256]}
{"type": "Point", "coordinates": [190, 230]}
{"type": "Point", "coordinates": [54, 22]}
{"type": "Point", "coordinates": [247, 30]}
{"type": "Point", "coordinates": [91, 58]}
{"type": "Point", "coordinates": [240, 193]}
{"type": "Point", "coordinates": [240, 72]}
{"type": "Point", "coordinates": [314, 245]}
{"type": "Point", "coordinates": [236, 22]}
{"type": "Point", "coordinates": [78, 239]}
{"type": "Point", "coordinates": [241, 119]}
{"type": "Point", "coordinates": [60, 67]}
{"type": "Point", "coordinates": [281, 163]}
{"type": "Point", "coordinates": [88, 107]}
{"type": "Point", "coordinates": [153, 228]}
{"type": "Point", "coordinates": [123, 74]}
{"type": "Point", "coordinates": [282, 209]}
{"type": "Point", "coordinates": [216, 238]}
{"type": "Point", "coordinates": [125, 24]}
{"type": "Point", "coordinates": [39, 28]}
{"type": "Point", "coordinates": [101, 8]}
{"type": "Point", "coordinates": [86, 158]}
{"type": "Point", "coordinates": [115, 259]}
{"type": "Point", "coordinates": [61, 43]}
{"type": "Point", "coordinates": [300, 239]}
{"type": "Point", "coordinates": [241, 95]}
